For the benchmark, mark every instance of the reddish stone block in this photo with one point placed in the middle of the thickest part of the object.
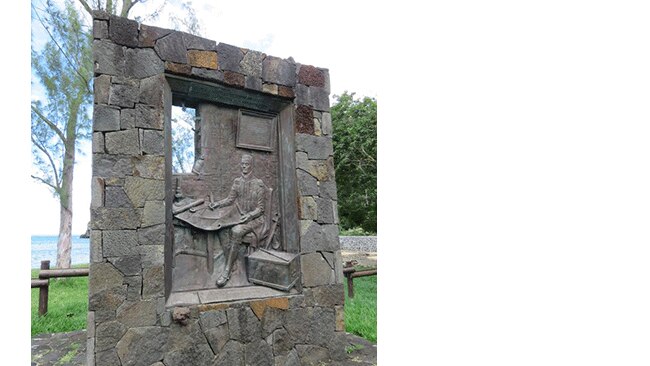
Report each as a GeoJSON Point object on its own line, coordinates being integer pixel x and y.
{"type": "Point", "coordinates": [178, 68]}
{"type": "Point", "coordinates": [285, 91]}
{"type": "Point", "coordinates": [304, 119]}
{"type": "Point", "coordinates": [234, 78]}
{"type": "Point", "coordinates": [311, 76]}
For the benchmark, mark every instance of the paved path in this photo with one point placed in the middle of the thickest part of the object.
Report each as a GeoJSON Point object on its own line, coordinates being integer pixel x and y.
{"type": "Point", "coordinates": [70, 349]}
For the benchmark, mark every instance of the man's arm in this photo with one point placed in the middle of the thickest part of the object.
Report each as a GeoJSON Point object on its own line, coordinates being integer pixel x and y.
{"type": "Point", "coordinates": [228, 200]}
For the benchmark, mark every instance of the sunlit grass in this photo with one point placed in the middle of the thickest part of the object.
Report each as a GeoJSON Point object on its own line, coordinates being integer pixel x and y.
{"type": "Point", "coordinates": [361, 310]}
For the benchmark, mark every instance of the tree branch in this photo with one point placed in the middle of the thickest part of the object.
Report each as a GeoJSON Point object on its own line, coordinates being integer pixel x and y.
{"type": "Point", "coordinates": [49, 157]}
{"type": "Point", "coordinates": [87, 7]}
{"type": "Point", "coordinates": [50, 124]}
{"type": "Point", "coordinates": [45, 182]}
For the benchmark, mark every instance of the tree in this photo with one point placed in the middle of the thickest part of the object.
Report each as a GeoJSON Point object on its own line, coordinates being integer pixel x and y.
{"type": "Point", "coordinates": [354, 123]}
{"type": "Point", "coordinates": [64, 68]}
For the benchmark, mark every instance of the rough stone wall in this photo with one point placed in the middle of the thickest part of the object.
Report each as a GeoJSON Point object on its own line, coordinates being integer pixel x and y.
{"type": "Point", "coordinates": [128, 321]}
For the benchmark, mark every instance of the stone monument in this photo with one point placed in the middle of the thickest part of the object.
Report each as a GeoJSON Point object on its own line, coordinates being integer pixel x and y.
{"type": "Point", "coordinates": [238, 261]}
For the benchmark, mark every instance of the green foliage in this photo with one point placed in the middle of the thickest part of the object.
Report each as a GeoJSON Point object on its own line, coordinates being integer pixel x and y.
{"type": "Point", "coordinates": [354, 121]}
{"type": "Point", "coordinates": [361, 310]}
{"type": "Point", "coordinates": [356, 231]}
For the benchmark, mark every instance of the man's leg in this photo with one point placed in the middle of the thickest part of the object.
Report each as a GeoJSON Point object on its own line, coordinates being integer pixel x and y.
{"type": "Point", "coordinates": [237, 234]}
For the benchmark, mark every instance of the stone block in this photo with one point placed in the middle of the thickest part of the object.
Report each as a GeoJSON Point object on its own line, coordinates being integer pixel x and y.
{"type": "Point", "coordinates": [231, 354]}
{"type": "Point", "coordinates": [213, 75]}
{"type": "Point", "coordinates": [106, 118]}
{"type": "Point", "coordinates": [153, 284]}
{"type": "Point", "coordinates": [273, 319]}
{"type": "Point", "coordinates": [204, 59]}
{"type": "Point", "coordinates": [108, 334]}
{"type": "Point", "coordinates": [182, 69]}
{"type": "Point", "coordinates": [297, 325]}
{"type": "Point", "coordinates": [149, 117]}
{"type": "Point", "coordinates": [308, 208]}
{"type": "Point", "coordinates": [285, 91]}
{"type": "Point", "coordinates": [319, 98]}
{"type": "Point", "coordinates": [229, 57]}
{"type": "Point", "coordinates": [96, 254]}
{"type": "Point", "coordinates": [312, 355]}
{"type": "Point", "coordinates": [102, 88]}
{"type": "Point", "coordinates": [253, 83]}
{"type": "Point", "coordinates": [302, 94]}
{"type": "Point", "coordinates": [251, 64]}
{"type": "Point", "coordinates": [258, 353]}
{"type": "Point", "coordinates": [270, 88]}
{"type": "Point", "coordinates": [217, 337]}
{"type": "Point", "coordinates": [100, 29]}
{"type": "Point", "coordinates": [290, 359]}
{"type": "Point", "coordinates": [323, 170]}
{"type": "Point", "coordinates": [325, 210]}
{"type": "Point", "coordinates": [152, 255]}
{"type": "Point", "coordinates": [328, 295]}
{"type": "Point", "coordinates": [103, 276]}
{"type": "Point", "coordinates": [106, 302]}
{"type": "Point", "coordinates": [117, 243]}
{"type": "Point", "coordinates": [149, 166]}
{"type": "Point", "coordinates": [97, 192]}
{"type": "Point", "coordinates": [149, 35]}
{"type": "Point", "coordinates": [140, 189]}
{"type": "Point", "coordinates": [151, 90]}
{"type": "Point", "coordinates": [279, 71]}
{"type": "Point", "coordinates": [123, 31]}
{"type": "Point", "coordinates": [193, 354]}
{"type": "Point", "coordinates": [137, 313]}
{"type": "Point", "coordinates": [98, 142]}
{"type": "Point", "coordinates": [142, 62]}
{"type": "Point", "coordinates": [315, 147]}
{"type": "Point", "coordinates": [339, 314]}
{"type": "Point", "coordinates": [110, 218]}
{"type": "Point", "coordinates": [212, 319]}
{"type": "Point", "coordinates": [108, 57]}
{"type": "Point", "coordinates": [336, 346]}
{"type": "Point", "coordinates": [127, 119]}
{"type": "Point", "coordinates": [116, 197]}
{"type": "Point", "coordinates": [152, 235]}
{"type": "Point", "coordinates": [315, 237]}
{"type": "Point", "coordinates": [321, 326]}
{"type": "Point", "coordinates": [307, 184]}
{"type": "Point", "coordinates": [128, 265]}
{"type": "Point", "coordinates": [111, 166]}
{"type": "Point", "coordinates": [327, 189]}
{"type": "Point", "coordinates": [326, 124]}
{"type": "Point", "coordinates": [193, 42]}
{"type": "Point", "coordinates": [281, 342]}
{"type": "Point", "coordinates": [123, 142]}
{"type": "Point", "coordinates": [311, 76]}
{"type": "Point", "coordinates": [317, 129]}
{"type": "Point", "coordinates": [234, 78]}
{"type": "Point", "coordinates": [90, 352]}
{"type": "Point", "coordinates": [152, 142]}
{"type": "Point", "coordinates": [172, 48]}
{"type": "Point", "coordinates": [244, 325]}
{"type": "Point", "coordinates": [123, 95]}
{"type": "Point", "coordinates": [154, 213]}
{"type": "Point", "coordinates": [304, 120]}
{"type": "Point", "coordinates": [107, 358]}
{"type": "Point", "coordinates": [142, 346]}
{"type": "Point", "coordinates": [133, 288]}
{"type": "Point", "coordinates": [315, 270]}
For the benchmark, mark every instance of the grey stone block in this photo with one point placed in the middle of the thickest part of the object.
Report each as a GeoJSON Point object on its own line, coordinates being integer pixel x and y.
{"type": "Point", "coordinates": [103, 276]}
{"type": "Point", "coordinates": [152, 235]}
{"type": "Point", "coordinates": [251, 64]}
{"type": "Point", "coordinates": [258, 353]}
{"type": "Point", "coordinates": [96, 254]}
{"type": "Point", "coordinates": [278, 71]}
{"type": "Point", "coordinates": [109, 218]}
{"type": "Point", "coordinates": [116, 243]}
{"type": "Point", "coordinates": [316, 147]}
{"type": "Point", "coordinates": [229, 57]}
{"type": "Point", "coordinates": [215, 75]}
{"type": "Point", "coordinates": [302, 94]}
{"type": "Point", "coordinates": [172, 48]}
{"type": "Point", "coordinates": [253, 83]}
{"type": "Point", "coordinates": [106, 302]}
{"type": "Point", "coordinates": [244, 325]}
{"type": "Point", "coordinates": [307, 184]}
{"type": "Point", "coordinates": [319, 98]}
{"type": "Point", "coordinates": [153, 284]}
{"type": "Point", "coordinates": [123, 142]}
{"type": "Point", "coordinates": [308, 208]}
{"type": "Point", "coordinates": [106, 118]}
{"type": "Point", "coordinates": [152, 255]}
{"type": "Point", "coordinates": [322, 323]}
{"type": "Point", "coordinates": [127, 119]}
{"type": "Point", "coordinates": [128, 265]}
{"type": "Point", "coordinates": [326, 124]}
{"type": "Point", "coordinates": [297, 325]}
{"type": "Point", "coordinates": [100, 29]}
{"type": "Point", "coordinates": [336, 346]}
{"type": "Point", "coordinates": [98, 142]}
{"type": "Point", "coordinates": [154, 213]}
{"type": "Point", "coordinates": [107, 358]}
{"type": "Point", "coordinates": [290, 359]}
{"type": "Point", "coordinates": [193, 42]}
{"type": "Point", "coordinates": [149, 35]}
{"type": "Point", "coordinates": [97, 192]}
{"type": "Point", "coordinates": [232, 354]}
{"type": "Point", "coordinates": [140, 190]}
{"type": "Point", "coordinates": [315, 270]}
{"type": "Point", "coordinates": [325, 210]}
{"type": "Point", "coordinates": [325, 296]}
{"type": "Point", "coordinates": [137, 313]}
{"type": "Point", "coordinates": [282, 343]}
{"type": "Point", "coordinates": [133, 288]}
{"type": "Point", "coordinates": [123, 95]}
{"type": "Point", "coordinates": [111, 166]}
{"type": "Point", "coordinates": [142, 63]}
{"type": "Point", "coordinates": [318, 237]}
{"type": "Point", "coordinates": [90, 352]}
{"type": "Point", "coordinates": [149, 117]}
{"type": "Point", "coordinates": [327, 189]}
{"type": "Point", "coordinates": [109, 58]}
{"type": "Point", "coordinates": [217, 337]}
{"type": "Point", "coordinates": [194, 354]}
{"type": "Point", "coordinates": [102, 88]}
{"type": "Point", "coordinates": [123, 31]}
{"type": "Point", "coordinates": [312, 355]}
{"type": "Point", "coordinates": [152, 142]}
{"type": "Point", "coordinates": [273, 319]}
{"type": "Point", "coordinates": [212, 319]}
{"type": "Point", "coordinates": [108, 334]}
{"type": "Point", "coordinates": [142, 346]}
{"type": "Point", "coordinates": [151, 90]}
{"type": "Point", "coordinates": [149, 166]}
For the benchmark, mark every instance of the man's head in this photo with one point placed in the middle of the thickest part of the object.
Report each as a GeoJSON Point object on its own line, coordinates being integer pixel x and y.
{"type": "Point", "coordinates": [246, 163]}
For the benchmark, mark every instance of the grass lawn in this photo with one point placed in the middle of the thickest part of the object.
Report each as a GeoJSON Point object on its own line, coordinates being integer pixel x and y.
{"type": "Point", "coordinates": [361, 311]}
{"type": "Point", "coordinates": [67, 306]}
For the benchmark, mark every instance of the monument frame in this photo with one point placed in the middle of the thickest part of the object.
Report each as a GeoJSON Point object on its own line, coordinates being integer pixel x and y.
{"type": "Point", "coordinates": [140, 72]}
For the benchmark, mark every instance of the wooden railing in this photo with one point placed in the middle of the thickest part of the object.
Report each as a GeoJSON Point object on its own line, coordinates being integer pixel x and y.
{"type": "Point", "coordinates": [351, 273]}
{"type": "Point", "coordinates": [43, 281]}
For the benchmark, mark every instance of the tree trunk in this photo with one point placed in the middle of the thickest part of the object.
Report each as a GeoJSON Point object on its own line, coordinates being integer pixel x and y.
{"type": "Point", "coordinates": [64, 244]}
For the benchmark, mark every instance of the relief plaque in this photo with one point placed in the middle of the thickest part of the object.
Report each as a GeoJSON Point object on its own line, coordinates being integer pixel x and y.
{"type": "Point", "coordinates": [256, 130]}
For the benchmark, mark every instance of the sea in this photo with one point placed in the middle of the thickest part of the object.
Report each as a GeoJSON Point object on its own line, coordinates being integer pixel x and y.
{"type": "Point", "coordinates": [44, 247]}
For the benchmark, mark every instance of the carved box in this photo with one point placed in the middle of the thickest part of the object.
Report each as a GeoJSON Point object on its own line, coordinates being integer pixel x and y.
{"type": "Point", "coordinates": [279, 270]}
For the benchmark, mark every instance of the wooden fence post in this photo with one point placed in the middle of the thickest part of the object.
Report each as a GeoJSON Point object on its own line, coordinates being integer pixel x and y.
{"type": "Point", "coordinates": [43, 291]}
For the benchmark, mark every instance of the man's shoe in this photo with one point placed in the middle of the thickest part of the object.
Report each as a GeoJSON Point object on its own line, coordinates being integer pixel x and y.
{"type": "Point", "coordinates": [222, 280]}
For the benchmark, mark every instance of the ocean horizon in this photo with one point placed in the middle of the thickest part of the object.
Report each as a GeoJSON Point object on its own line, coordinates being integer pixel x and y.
{"type": "Point", "coordinates": [44, 248]}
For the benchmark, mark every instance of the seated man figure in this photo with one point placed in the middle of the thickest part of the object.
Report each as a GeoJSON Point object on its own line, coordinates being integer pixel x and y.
{"type": "Point", "coordinates": [248, 195]}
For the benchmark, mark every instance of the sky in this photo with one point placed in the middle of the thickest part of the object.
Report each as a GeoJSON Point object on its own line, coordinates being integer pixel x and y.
{"type": "Point", "coordinates": [338, 37]}
{"type": "Point", "coordinates": [514, 200]}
